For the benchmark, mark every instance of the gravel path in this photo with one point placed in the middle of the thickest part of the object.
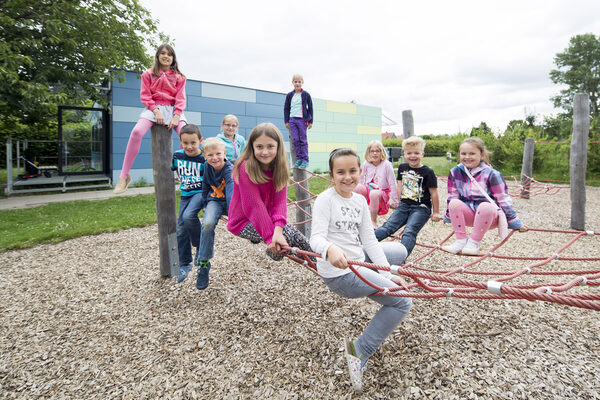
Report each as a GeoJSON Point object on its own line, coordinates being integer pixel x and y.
{"type": "Point", "coordinates": [91, 318]}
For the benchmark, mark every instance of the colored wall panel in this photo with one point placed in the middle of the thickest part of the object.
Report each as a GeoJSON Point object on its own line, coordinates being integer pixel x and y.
{"type": "Point", "coordinates": [264, 110]}
{"type": "Point", "coordinates": [228, 92]}
{"type": "Point", "coordinates": [126, 97]}
{"type": "Point", "coordinates": [336, 106]}
{"type": "Point", "coordinates": [369, 111]}
{"type": "Point", "coordinates": [218, 106]}
{"type": "Point", "coordinates": [369, 130]}
{"type": "Point", "coordinates": [275, 99]}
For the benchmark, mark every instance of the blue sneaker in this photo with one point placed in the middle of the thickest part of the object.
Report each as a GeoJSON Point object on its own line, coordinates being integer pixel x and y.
{"type": "Point", "coordinates": [184, 270]}
{"type": "Point", "coordinates": [304, 164]}
{"type": "Point", "coordinates": [297, 164]}
{"type": "Point", "coordinates": [202, 280]}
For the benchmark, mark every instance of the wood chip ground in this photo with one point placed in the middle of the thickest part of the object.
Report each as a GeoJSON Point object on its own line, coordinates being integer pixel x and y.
{"type": "Point", "coordinates": [91, 318]}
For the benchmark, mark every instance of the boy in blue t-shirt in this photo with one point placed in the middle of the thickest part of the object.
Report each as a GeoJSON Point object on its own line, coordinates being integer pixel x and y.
{"type": "Point", "coordinates": [216, 196]}
{"type": "Point", "coordinates": [189, 164]}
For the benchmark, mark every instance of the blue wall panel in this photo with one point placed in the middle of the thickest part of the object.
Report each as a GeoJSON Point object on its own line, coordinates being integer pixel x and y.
{"type": "Point", "coordinates": [276, 99]}
{"type": "Point", "coordinates": [126, 97]}
{"type": "Point", "coordinates": [217, 106]}
{"type": "Point", "coordinates": [264, 110]}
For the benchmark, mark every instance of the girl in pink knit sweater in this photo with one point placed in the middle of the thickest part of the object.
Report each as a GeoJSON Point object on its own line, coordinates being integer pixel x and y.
{"type": "Point", "coordinates": [258, 207]}
{"type": "Point", "coordinates": [378, 182]}
{"type": "Point", "coordinates": [163, 94]}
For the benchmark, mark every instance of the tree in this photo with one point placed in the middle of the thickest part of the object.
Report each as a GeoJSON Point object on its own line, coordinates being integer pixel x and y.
{"type": "Point", "coordinates": [578, 67]}
{"type": "Point", "coordinates": [59, 51]}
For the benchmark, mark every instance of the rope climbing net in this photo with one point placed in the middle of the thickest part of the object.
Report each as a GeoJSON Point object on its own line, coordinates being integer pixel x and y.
{"type": "Point", "coordinates": [555, 275]}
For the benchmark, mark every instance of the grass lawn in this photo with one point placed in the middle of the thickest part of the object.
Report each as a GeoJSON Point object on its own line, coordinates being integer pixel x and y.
{"type": "Point", "coordinates": [56, 222]}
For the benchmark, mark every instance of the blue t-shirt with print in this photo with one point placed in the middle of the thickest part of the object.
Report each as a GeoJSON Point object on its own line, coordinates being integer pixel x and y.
{"type": "Point", "coordinates": [190, 171]}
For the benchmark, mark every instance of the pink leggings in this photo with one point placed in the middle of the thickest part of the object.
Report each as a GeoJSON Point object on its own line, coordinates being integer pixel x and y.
{"type": "Point", "coordinates": [377, 199]}
{"type": "Point", "coordinates": [482, 220]}
{"type": "Point", "coordinates": [135, 141]}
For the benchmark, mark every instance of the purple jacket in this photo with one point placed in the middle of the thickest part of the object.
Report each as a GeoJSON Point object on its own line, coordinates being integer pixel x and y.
{"type": "Point", "coordinates": [307, 107]}
{"type": "Point", "coordinates": [460, 187]}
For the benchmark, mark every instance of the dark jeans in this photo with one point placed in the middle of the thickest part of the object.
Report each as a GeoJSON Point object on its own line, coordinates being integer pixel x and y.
{"type": "Point", "coordinates": [188, 227]}
{"type": "Point", "coordinates": [413, 216]}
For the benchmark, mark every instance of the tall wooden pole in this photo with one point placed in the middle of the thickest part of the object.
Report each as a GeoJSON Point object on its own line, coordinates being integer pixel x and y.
{"type": "Point", "coordinates": [166, 210]}
{"type": "Point", "coordinates": [527, 167]}
{"type": "Point", "coordinates": [408, 124]}
{"type": "Point", "coordinates": [578, 159]}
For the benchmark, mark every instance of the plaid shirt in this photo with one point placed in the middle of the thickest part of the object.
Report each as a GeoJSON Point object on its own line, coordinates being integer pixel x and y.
{"type": "Point", "coordinates": [460, 187]}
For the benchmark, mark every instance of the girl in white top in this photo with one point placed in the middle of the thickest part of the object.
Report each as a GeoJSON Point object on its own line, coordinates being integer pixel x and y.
{"type": "Point", "coordinates": [342, 231]}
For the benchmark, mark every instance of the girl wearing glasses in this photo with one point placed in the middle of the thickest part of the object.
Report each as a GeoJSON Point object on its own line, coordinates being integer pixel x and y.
{"type": "Point", "coordinates": [234, 142]}
{"type": "Point", "coordinates": [377, 181]}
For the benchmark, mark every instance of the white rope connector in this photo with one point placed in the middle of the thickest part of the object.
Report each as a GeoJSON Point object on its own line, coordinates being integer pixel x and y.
{"type": "Point", "coordinates": [528, 270]}
{"type": "Point", "coordinates": [426, 281]}
{"type": "Point", "coordinates": [394, 269]}
{"type": "Point", "coordinates": [556, 256]}
{"type": "Point", "coordinates": [589, 232]}
{"type": "Point", "coordinates": [583, 281]}
{"type": "Point", "coordinates": [494, 287]}
{"type": "Point", "coordinates": [385, 291]}
{"type": "Point", "coordinates": [450, 292]}
{"type": "Point", "coordinates": [304, 262]}
{"type": "Point", "coordinates": [439, 246]}
{"type": "Point", "coordinates": [491, 254]}
{"type": "Point", "coordinates": [462, 269]}
{"type": "Point", "coordinates": [295, 250]}
{"type": "Point", "coordinates": [548, 290]}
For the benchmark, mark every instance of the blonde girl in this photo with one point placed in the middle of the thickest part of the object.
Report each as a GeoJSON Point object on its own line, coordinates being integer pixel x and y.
{"type": "Point", "coordinates": [163, 93]}
{"type": "Point", "coordinates": [377, 181]}
{"type": "Point", "coordinates": [234, 142]}
{"type": "Point", "coordinates": [258, 208]}
{"type": "Point", "coordinates": [477, 197]}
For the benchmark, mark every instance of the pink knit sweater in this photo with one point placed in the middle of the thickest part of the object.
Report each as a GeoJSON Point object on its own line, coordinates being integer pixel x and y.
{"type": "Point", "coordinates": [168, 89]}
{"type": "Point", "coordinates": [259, 204]}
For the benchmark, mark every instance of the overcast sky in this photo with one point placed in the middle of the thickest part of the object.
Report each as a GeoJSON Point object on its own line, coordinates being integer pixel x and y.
{"type": "Point", "coordinates": [453, 63]}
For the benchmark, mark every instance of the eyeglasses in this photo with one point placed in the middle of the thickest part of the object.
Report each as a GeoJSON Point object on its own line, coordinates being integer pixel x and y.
{"type": "Point", "coordinates": [374, 151]}
{"type": "Point", "coordinates": [230, 125]}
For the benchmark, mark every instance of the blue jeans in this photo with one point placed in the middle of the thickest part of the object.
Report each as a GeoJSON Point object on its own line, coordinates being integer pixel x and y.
{"type": "Point", "coordinates": [188, 227]}
{"type": "Point", "coordinates": [393, 309]}
{"type": "Point", "coordinates": [212, 213]}
{"type": "Point", "coordinates": [414, 216]}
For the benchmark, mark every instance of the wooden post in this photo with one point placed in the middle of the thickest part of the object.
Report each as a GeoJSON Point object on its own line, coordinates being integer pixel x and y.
{"type": "Point", "coordinates": [578, 159]}
{"type": "Point", "coordinates": [164, 188]}
{"type": "Point", "coordinates": [527, 167]}
{"type": "Point", "coordinates": [302, 194]}
{"type": "Point", "coordinates": [408, 124]}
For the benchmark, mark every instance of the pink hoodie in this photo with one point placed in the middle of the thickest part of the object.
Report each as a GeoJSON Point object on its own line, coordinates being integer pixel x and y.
{"type": "Point", "coordinates": [168, 89]}
{"type": "Point", "coordinates": [259, 204]}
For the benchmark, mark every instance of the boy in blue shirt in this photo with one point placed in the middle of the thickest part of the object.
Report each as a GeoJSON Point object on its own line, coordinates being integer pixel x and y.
{"type": "Point", "coordinates": [216, 196]}
{"type": "Point", "coordinates": [189, 164]}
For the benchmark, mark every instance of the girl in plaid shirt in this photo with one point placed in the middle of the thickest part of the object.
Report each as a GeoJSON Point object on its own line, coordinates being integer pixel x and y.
{"type": "Point", "coordinates": [472, 185]}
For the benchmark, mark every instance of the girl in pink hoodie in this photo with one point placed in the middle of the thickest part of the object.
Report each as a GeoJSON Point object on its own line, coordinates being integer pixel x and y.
{"type": "Point", "coordinates": [163, 94]}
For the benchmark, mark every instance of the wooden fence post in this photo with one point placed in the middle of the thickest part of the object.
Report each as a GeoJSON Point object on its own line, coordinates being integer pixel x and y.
{"type": "Point", "coordinates": [578, 159]}
{"type": "Point", "coordinates": [166, 210]}
{"type": "Point", "coordinates": [303, 211]}
{"type": "Point", "coordinates": [408, 124]}
{"type": "Point", "coordinates": [527, 167]}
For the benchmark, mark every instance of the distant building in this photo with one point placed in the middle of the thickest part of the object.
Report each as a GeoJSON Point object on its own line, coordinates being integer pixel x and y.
{"type": "Point", "coordinates": [388, 135]}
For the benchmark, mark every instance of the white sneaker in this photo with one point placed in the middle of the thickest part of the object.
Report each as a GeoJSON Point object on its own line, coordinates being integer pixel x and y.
{"type": "Point", "coordinates": [472, 247]}
{"type": "Point", "coordinates": [121, 185]}
{"type": "Point", "coordinates": [456, 246]}
{"type": "Point", "coordinates": [354, 367]}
